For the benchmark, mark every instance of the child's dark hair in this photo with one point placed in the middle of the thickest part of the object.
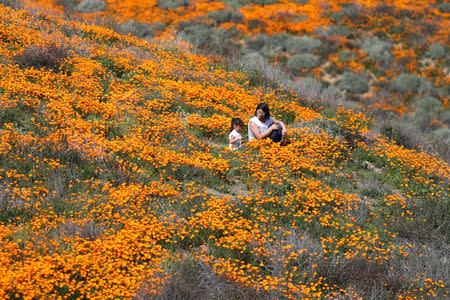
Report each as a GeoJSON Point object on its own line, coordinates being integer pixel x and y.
{"type": "Point", "coordinates": [236, 122]}
{"type": "Point", "coordinates": [265, 108]}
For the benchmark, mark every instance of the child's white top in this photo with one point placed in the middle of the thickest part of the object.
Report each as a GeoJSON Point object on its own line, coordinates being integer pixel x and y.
{"type": "Point", "coordinates": [263, 127]}
{"type": "Point", "coordinates": [237, 144]}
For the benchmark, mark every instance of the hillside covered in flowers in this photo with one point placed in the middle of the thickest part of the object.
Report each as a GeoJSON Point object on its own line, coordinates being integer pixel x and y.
{"type": "Point", "coordinates": [116, 180]}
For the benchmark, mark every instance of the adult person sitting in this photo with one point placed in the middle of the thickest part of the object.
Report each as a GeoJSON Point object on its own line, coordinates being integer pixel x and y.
{"type": "Point", "coordinates": [262, 125]}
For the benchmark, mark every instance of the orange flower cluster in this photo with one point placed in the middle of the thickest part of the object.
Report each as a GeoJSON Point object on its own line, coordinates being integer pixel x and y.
{"type": "Point", "coordinates": [104, 180]}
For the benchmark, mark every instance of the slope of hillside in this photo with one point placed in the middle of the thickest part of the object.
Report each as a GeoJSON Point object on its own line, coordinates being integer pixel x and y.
{"type": "Point", "coordinates": [116, 180]}
{"type": "Point", "coordinates": [390, 56]}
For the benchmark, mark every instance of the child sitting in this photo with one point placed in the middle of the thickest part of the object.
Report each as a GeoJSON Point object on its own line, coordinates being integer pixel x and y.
{"type": "Point", "coordinates": [235, 136]}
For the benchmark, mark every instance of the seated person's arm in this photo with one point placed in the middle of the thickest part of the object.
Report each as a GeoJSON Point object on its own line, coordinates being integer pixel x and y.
{"type": "Point", "coordinates": [234, 139]}
{"type": "Point", "coordinates": [258, 134]}
{"type": "Point", "coordinates": [283, 126]}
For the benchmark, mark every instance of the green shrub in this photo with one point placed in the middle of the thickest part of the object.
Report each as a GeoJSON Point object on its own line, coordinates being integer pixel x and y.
{"type": "Point", "coordinates": [238, 3]}
{"type": "Point", "coordinates": [275, 44]}
{"type": "Point", "coordinates": [303, 44]}
{"type": "Point", "coordinates": [406, 83]}
{"type": "Point", "coordinates": [223, 16]}
{"type": "Point", "coordinates": [378, 50]}
{"type": "Point", "coordinates": [345, 56]}
{"type": "Point", "coordinates": [141, 30]}
{"type": "Point", "coordinates": [90, 6]}
{"type": "Point", "coordinates": [171, 4]}
{"type": "Point", "coordinates": [435, 51]}
{"type": "Point", "coordinates": [300, 62]}
{"type": "Point", "coordinates": [14, 4]}
{"type": "Point", "coordinates": [403, 133]}
{"type": "Point", "coordinates": [309, 88]}
{"type": "Point", "coordinates": [442, 134]}
{"type": "Point", "coordinates": [353, 83]}
{"type": "Point", "coordinates": [256, 42]}
{"type": "Point", "coordinates": [253, 60]}
{"type": "Point", "coordinates": [428, 108]}
{"type": "Point", "coordinates": [331, 95]}
{"type": "Point", "coordinates": [444, 7]}
{"type": "Point", "coordinates": [198, 34]}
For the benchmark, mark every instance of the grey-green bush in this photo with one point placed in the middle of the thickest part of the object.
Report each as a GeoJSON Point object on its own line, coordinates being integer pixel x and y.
{"type": "Point", "coordinates": [275, 44]}
{"type": "Point", "coordinates": [90, 6]}
{"type": "Point", "coordinates": [198, 34]}
{"type": "Point", "coordinates": [303, 44]}
{"type": "Point", "coordinates": [442, 134]}
{"type": "Point", "coordinates": [436, 51]}
{"type": "Point", "coordinates": [428, 108]}
{"type": "Point", "coordinates": [48, 57]}
{"type": "Point", "coordinates": [256, 42]}
{"type": "Point", "coordinates": [171, 4]}
{"type": "Point", "coordinates": [223, 16]}
{"type": "Point", "coordinates": [300, 62]}
{"type": "Point", "coordinates": [331, 95]}
{"type": "Point", "coordinates": [141, 30]}
{"type": "Point", "coordinates": [238, 3]}
{"type": "Point", "coordinates": [378, 50]}
{"type": "Point", "coordinates": [345, 56]}
{"type": "Point", "coordinates": [444, 7]}
{"type": "Point", "coordinates": [14, 4]}
{"type": "Point", "coordinates": [353, 83]}
{"type": "Point", "coordinates": [253, 60]}
{"type": "Point", "coordinates": [309, 88]}
{"type": "Point", "coordinates": [405, 83]}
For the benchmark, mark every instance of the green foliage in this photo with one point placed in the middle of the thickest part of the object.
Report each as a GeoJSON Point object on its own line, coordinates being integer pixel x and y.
{"type": "Point", "coordinates": [14, 4]}
{"type": "Point", "coordinates": [353, 83]}
{"type": "Point", "coordinates": [436, 51]}
{"type": "Point", "coordinates": [275, 44]}
{"type": "Point", "coordinates": [225, 15]}
{"type": "Point", "coordinates": [256, 42]}
{"type": "Point", "coordinates": [428, 108]}
{"type": "Point", "coordinates": [253, 60]}
{"type": "Point", "coordinates": [90, 6]}
{"type": "Point", "coordinates": [197, 33]}
{"type": "Point", "coordinates": [141, 30]}
{"type": "Point", "coordinates": [345, 56]}
{"type": "Point", "coordinates": [171, 4]}
{"type": "Point", "coordinates": [309, 88]}
{"type": "Point", "coordinates": [303, 44]}
{"type": "Point", "coordinates": [444, 7]}
{"type": "Point", "coordinates": [443, 134]}
{"type": "Point", "coordinates": [410, 83]}
{"type": "Point", "coordinates": [378, 50]}
{"type": "Point", "coordinates": [297, 63]}
{"type": "Point", "coordinates": [238, 3]}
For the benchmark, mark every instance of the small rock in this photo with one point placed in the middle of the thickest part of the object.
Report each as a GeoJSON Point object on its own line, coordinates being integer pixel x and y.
{"type": "Point", "coordinates": [371, 167]}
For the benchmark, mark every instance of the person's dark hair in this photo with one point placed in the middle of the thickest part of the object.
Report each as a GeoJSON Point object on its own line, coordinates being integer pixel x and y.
{"type": "Point", "coordinates": [236, 122]}
{"type": "Point", "coordinates": [265, 108]}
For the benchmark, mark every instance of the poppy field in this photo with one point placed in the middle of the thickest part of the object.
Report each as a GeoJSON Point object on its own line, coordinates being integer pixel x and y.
{"type": "Point", "coordinates": [116, 180]}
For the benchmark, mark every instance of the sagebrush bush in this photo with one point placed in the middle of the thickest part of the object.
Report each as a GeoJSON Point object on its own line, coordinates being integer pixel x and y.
{"type": "Point", "coordinates": [141, 30]}
{"type": "Point", "coordinates": [196, 33]}
{"type": "Point", "coordinates": [255, 42]}
{"type": "Point", "coordinates": [238, 3]}
{"type": "Point", "coordinates": [275, 44]}
{"type": "Point", "coordinates": [90, 6]}
{"type": "Point", "coordinates": [444, 7]}
{"type": "Point", "coordinates": [14, 4]}
{"type": "Point", "coordinates": [442, 134]}
{"type": "Point", "coordinates": [403, 133]}
{"type": "Point", "coordinates": [309, 88]}
{"type": "Point", "coordinates": [353, 83]}
{"type": "Point", "coordinates": [436, 51]}
{"type": "Point", "coordinates": [331, 95]}
{"type": "Point", "coordinates": [225, 15]}
{"type": "Point", "coordinates": [171, 4]}
{"type": "Point", "coordinates": [345, 56]}
{"type": "Point", "coordinates": [297, 63]}
{"type": "Point", "coordinates": [378, 50]}
{"type": "Point", "coordinates": [410, 83]}
{"type": "Point", "coordinates": [428, 109]}
{"type": "Point", "coordinates": [253, 60]}
{"type": "Point", "coordinates": [42, 56]}
{"type": "Point", "coordinates": [303, 44]}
